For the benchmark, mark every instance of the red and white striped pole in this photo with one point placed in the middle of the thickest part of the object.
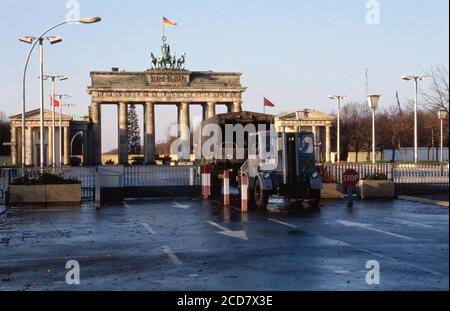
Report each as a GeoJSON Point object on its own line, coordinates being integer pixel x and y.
{"type": "Point", "coordinates": [206, 181]}
{"type": "Point", "coordinates": [244, 194]}
{"type": "Point", "coordinates": [226, 188]}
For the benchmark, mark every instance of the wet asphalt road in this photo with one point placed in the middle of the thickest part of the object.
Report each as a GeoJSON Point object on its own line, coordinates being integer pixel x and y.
{"type": "Point", "coordinates": [195, 245]}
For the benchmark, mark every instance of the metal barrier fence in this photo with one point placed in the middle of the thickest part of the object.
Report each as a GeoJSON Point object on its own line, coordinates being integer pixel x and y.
{"type": "Point", "coordinates": [133, 176]}
{"type": "Point", "coordinates": [160, 176]}
{"type": "Point", "coordinates": [420, 179]}
{"type": "Point", "coordinates": [333, 172]}
{"type": "Point", "coordinates": [86, 175]}
{"type": "Point", "coordinates": [408, 178]}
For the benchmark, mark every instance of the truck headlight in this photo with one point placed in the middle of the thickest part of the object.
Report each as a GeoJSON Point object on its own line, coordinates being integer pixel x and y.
{"type": "Point", "coordinates": [266, 175]}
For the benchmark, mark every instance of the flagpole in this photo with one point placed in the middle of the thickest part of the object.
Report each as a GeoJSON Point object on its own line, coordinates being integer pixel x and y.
{"type": "Point", "coordinates": [60, 131]}
{"type": "Point", "coordinates": [164, 28]}
{"type": "Point", "coordinates": [264, 104]}
{"type": "Point", "coordinates": [53, 124]}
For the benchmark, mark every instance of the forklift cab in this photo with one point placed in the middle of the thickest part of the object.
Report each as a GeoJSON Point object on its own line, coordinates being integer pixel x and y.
{"type": "Point", "coordinates": [299, 164]}
{"type": "Point", "coordinates": [290, 172]}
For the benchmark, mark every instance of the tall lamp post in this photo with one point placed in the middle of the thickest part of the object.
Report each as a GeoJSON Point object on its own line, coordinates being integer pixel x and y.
{"type": "Point", "coordinates": [416, 139]}
{"type": "Point", "coordinates": [61, 104]}
{"type": "Point", "coordinates": [30, 40]}
{"type": "Point", "coordinates": [442, 114]}
{"type": "Point", "coordinates": [373, 101]}
{"type": "Point", "coordinates": [53, 79]}
{"type": "Point", "coordinates": [338, 99]}
{"type": "Point", "coordinates": [34, 41]}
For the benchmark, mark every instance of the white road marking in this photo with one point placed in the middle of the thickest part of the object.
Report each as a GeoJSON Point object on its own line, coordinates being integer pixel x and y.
{"type": "Point", "coordinates": [405, 263]}
{"type": "Point", "coordinates": [240, 234]}
{"type": "Point", "coordinates": [379, 255]}
{"type": "Point", "coordinates": [179, 205]}
{"type": "Point", "coordinates": [212, 223]}
{"type": "Point", "coordinates": [405, 222]}
{"type": "Point", "coordinates": [149, 229]}
{"type": "Point", "coordinates": [370, 227]}
{"type": "Point", "coordinates": [330, 242]}
{"type": "Point", "coordinates": [342, 272]}
{"type": "Point", "coordinates": [173, 258]}
{"type": "Point", "coordinates": [283, 223]}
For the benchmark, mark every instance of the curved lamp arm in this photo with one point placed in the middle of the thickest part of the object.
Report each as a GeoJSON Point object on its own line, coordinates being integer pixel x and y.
{"type": "Point", "coordinates": [87, 20]}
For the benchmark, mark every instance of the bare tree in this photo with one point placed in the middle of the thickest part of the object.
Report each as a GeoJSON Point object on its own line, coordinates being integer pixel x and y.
{"type": "Point", "coordinates": [436, 96]}
{"type": "Point", "coordinates": [354, 127]}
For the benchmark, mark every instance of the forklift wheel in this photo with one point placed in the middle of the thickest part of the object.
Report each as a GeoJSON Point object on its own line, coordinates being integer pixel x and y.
{"type": "Point", "coordinates": [260, 196]}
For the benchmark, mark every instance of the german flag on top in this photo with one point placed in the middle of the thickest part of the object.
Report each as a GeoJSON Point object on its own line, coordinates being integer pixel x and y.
{"type": "Point", "coordinates": [167, 22]}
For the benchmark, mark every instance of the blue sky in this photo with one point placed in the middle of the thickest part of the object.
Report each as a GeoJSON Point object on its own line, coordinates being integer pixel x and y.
{"type": "Point", "coordinates": [295, 52]}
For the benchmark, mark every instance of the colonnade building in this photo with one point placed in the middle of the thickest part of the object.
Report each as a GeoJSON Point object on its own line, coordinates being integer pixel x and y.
{"type": "Point", "coordinates": [158, 87]}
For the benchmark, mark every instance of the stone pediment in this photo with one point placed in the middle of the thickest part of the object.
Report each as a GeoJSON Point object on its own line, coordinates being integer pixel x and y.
{"type": "Point", "coordinates": [305, 115]}
{"type": "Point", "coordinates": [34, 115]}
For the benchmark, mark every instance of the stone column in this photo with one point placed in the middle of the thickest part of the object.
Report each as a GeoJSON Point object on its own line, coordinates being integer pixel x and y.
{"type": "Point", "coordinates": [149, 133]}
{"type": "Point", "coordinates": [49, 146]}
{"type": "Point", "coordinates": [314, 131]}
{"type": "Point", "coordinates": [123, 133]}
{"type": "Point", "coordinates": [229, 108]}
{"type": "Point", "coordinates": [184, 123]}
{"type": "Point", "coordinates": [66, 159]}
{"type": "Point", "coordinates": [96, 116]}
{"type": "Point", "coordinates": [327, 145]}
{"type": "Point", "coordinates": [209, 110]}
{"type": "Point", "coordinates": [14, 147]}
{"type": "Point", "coordinates": [19, 144]}
{"type": "Point", "coordinates": [236, 106]}
{"type": "Point", "coordinates": [29, 147]}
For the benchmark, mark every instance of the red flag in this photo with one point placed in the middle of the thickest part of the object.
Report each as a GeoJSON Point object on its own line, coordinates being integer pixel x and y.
{"type": "Point", "coordinates": [56, 102]}
{"type": "Point", "coordinates": [268, 103]}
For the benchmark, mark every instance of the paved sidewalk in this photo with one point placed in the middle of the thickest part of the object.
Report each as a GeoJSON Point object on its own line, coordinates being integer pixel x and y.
{"type": "Point", "coordinates": [424, 200]}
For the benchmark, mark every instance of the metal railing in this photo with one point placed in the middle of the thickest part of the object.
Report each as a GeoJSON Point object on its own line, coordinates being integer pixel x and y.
{"type": "Point", "coordinates": [160, 176]}
{"type": "Point", "coordinates": [334, 171]}
{"type": "Point", "coordinates": [133, 176]}
{"type": "Point", "coordinates": [408, 178]}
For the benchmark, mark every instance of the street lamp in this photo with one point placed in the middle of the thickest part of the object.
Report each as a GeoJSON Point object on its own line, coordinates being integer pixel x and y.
{"type": "Point", "coordinates": [33, 41]}
{"type": "Point", "coordinates": [373, 101]}
{"type": "Point", "coordinates": [61, 97]}
{"type": "Point", "coordinates": [30, 40]}
{"type": "Point", "coordinates": [338, 99]}
{"type": "Point", "coordinates": [416, 139]}
{"type": "Point", "coordinates": [442, 114]}
{"type": "Point", "coordinates": [53, 79]}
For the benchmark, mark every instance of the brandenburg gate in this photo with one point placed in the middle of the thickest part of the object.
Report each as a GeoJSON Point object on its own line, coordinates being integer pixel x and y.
{"type": "Point", "coordinates": [166, 83]}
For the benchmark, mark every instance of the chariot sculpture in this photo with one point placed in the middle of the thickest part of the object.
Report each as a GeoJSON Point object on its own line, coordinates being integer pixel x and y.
{"type": "Point", "coordinates": [167, 61]}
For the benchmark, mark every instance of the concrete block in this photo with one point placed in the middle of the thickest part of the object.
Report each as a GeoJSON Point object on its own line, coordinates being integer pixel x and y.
{"type": "Point", "coordinates": [368, 189]}
{"type": "Point", "coordinates": [45, 194]}
{"type": "Point", "coordinates": [26, 194]}
{"type": "Point", "coordinates": [55, 194]}
{"type": "Point", "coordinates": [332, 191]}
